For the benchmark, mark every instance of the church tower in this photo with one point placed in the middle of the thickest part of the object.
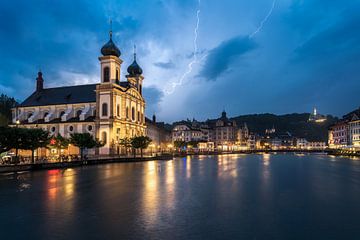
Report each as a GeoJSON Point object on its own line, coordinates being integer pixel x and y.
{"type": "Point", "coordinates": [134, 76]}
{"type": "Point", "coordinates": [110, 62]}
{"type": "Point", "coordinates": [106, 100]}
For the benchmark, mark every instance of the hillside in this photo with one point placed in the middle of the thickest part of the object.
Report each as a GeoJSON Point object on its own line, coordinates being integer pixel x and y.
{"type": "Point", "coordinates": [297, 124]}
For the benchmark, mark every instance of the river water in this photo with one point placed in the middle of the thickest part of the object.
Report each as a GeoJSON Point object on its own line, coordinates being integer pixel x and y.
{"type": "Point", "coordinates": [260, 196]}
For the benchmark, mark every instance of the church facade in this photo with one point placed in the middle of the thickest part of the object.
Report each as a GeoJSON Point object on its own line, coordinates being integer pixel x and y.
{"type": "Point", "coordinates": [108, 110]}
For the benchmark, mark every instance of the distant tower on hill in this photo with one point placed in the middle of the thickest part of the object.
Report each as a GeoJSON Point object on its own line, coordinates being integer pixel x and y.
{"type": "Point", "coordinates": [315, 117]}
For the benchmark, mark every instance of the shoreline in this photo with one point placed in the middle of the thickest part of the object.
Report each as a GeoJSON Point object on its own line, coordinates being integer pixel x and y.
{"type": "Point", "coordinates": [80, 163]}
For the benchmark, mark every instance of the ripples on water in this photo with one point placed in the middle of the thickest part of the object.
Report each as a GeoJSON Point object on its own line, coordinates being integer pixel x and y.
{"type": "Point", "coordinates": [268, 196]}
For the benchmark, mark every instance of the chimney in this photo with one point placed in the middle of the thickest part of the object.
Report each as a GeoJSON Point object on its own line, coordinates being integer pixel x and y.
{"type": "Point", "coordinates": [39, 82]}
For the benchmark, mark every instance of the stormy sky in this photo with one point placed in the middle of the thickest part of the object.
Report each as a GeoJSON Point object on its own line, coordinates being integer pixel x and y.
{"type": "Point", "coordinates": [198, 58]}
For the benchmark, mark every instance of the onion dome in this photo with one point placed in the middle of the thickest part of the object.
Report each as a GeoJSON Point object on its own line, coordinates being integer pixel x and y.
{"type": "Point", "coordinates": [110, 49]}
{"type": "Point", "coordinates": [134, 69]}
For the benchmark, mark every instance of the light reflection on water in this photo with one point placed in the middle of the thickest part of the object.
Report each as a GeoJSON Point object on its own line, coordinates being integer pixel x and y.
{"type": "Point", "coordinates": [233, 196]}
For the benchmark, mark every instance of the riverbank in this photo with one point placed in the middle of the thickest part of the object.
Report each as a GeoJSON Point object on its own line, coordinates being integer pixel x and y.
{"type": "Point", "coordinates": [71, 164]}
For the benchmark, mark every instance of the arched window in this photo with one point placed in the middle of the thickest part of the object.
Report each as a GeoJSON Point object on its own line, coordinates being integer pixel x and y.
{"type": "Point", "coordinates": [140, 89]}
{"type": "Point", "coordinates": [118, 110]}
{"type": "Point", "coordinates": [62, 114]}
{"type": "Point", "coordinates": [127, 112]}
{"type": "Point", "coordinates": [103, 137]}
{"type": "Point", "coordinates": [30, 114]}
{"type": "Point", "coordinates": [117, 75]}
{"type": "Point", "coordinates": [45, 114]}
{"type": "Point", "coordinates": [78, 113]}
{"type": "Point", "coordinates": [106, 74]}
{"type": "Point", "coordinates": [104, 109]}
{"type": "Point", "coordinates": [138, 116]}
{"type": "Point", "coordinates": [133, 113]}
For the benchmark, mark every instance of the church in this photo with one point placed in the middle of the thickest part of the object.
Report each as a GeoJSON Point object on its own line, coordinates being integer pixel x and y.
{"type": "Point", "coordinates": [109, 110]}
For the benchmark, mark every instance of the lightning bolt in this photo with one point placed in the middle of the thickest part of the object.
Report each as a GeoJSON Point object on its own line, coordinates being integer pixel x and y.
{"type": "Point", "coordinates": [194, 60]}
{"type": "Point", "coordinates": [258, 29]}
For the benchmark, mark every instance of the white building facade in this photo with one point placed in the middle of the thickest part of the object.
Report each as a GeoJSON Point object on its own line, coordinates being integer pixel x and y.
{"type": "Point", "coordinates": [109, 110]}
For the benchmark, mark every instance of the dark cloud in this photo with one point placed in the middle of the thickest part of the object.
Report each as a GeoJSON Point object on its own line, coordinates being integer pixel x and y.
{"type": "Point", "coordinates": [165, 65]}
{"type": "Point", "coordinates": [220, 57]}
{"type": "Point", "coordinates": [153, 97]}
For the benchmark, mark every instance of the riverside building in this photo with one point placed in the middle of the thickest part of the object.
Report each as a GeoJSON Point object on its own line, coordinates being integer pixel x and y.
{"type": "Point", "coordinates": [109, 110]}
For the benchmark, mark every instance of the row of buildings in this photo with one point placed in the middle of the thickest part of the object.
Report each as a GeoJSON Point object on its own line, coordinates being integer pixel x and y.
{"type": "Point", "coordinates": [220, 134]}
{"type": "Point", "coordinates": [345, 134]}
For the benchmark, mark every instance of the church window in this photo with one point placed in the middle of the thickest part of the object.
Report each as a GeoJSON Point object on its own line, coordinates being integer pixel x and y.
{"type": "Point", "coordinates": [117, 75]}
{"type": "Point", "coordinates": [89, 128]}
{"type": "Point", "coordinates": [133, 113]}
{"type": "Point", "coordinates": [71, 128]}
{"type": "Point", "coordinates": [127, 112]}
{"type": "Point", "coordinates": [118, 110]}
{"type": "Point", "coordinates": [138, 116]}
{"type": "Point", "coordinates": [106, 74]}
{"type": "Point", "coordinates": [78, 113]}
{"type": "Point", "coordinates": [103, 137]}
{"type": "Point", "coordinates": [62, 113]}
{"type": "Point", "coordinates": [104, 109]}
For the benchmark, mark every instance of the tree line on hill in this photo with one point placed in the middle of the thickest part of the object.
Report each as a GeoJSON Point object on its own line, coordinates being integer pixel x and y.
{"type": "Point", "coordinates": [6, 104]}
{"type": "Point", "coordinates": [296, 123]}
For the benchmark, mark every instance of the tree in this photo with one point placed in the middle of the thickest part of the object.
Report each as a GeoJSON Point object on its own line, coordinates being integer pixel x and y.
{"type": "Point", "coordinates": [6, 139]}
{"type": "Point", "coordinates": [22, 138]}
{"type": "Point", "coordinates": [193, 144]}
{"type": "Point", "coordinates": [6, 104]}
{"type": "Point", "coordinates": [59, 142]}
{"type": "Point", "coordinates": [84, 141]}
{"type": "Point", "coordinates": [179, 144]}
{"type": "Point", "coordinates": [140, 142]}
{"type": "Point", "coordinates": [15, 139]}
{"type": "Point", "coordinates": [126, 143]}
{"type": "Point", "coordinates": [34, 139]}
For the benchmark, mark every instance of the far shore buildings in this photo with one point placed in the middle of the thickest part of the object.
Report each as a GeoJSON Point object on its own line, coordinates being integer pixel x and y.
{"type": "Point", "coordinates": [221, 134]}
{"type": "Point", "coordinates": [159, 134]}
{"type": "Point", "coordinates": [109, 110]}
{"type": "Point", "coordinates": [345, 134]}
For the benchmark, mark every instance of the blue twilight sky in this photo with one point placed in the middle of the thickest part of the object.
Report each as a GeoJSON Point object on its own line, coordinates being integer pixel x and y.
{"type": "Point", "coordinates": [250, 56]}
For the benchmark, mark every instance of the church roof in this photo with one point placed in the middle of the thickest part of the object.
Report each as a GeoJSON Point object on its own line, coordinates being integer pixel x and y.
{"type": "Point", "coordinates": [62, 95]}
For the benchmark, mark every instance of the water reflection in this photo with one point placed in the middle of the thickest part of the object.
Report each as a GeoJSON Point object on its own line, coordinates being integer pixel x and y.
{"type": "Point", "coordinates": [150, 194]}
{"type": "Point", "coordinates": [220, 197]}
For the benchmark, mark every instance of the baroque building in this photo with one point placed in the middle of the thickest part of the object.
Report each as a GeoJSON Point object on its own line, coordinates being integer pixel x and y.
{"type": "Point", "coordinates": [108, 110]}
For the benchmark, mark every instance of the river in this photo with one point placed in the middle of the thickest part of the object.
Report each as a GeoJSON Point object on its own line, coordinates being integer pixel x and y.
{"type": "Point", "coordinates": [258, 196]}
